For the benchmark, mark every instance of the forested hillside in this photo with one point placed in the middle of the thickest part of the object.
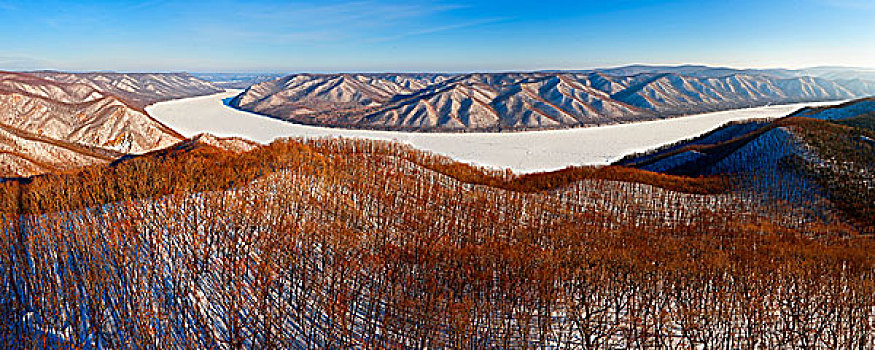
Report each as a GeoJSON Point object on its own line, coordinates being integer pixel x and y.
{"type": "Point", "coordinates": [366, 244]}
{"type": "Point", "coordinates": [818, 158]}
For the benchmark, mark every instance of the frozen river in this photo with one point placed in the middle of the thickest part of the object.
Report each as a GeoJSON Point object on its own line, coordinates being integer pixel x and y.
{"type": "Point", "coordinates": [521, 151]}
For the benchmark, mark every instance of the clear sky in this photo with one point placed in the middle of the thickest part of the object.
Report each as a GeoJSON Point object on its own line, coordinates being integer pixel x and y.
{"type": "Point", "coordinates": [435, 35]}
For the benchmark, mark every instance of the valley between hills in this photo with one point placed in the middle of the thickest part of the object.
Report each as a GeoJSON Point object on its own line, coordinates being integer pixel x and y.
{"type": "Point", "coordinates": [632, 207]}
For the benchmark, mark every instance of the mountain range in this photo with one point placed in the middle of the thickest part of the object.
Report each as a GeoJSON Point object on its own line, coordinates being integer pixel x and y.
{"type": "Point", "coordinates": [52, 122]}
{"type": "Point", "coordinates": [137, 89]}
{"type": "Point", "coordinates": [236, 80]}
{"type": "Point", "coordinates": [533, 100]}
{"type": "Point", "coordinates": [701, 71]}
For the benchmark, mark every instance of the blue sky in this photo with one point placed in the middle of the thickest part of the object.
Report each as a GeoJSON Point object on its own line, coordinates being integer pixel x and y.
{"type": "Point", "coordinates": [434, 35]}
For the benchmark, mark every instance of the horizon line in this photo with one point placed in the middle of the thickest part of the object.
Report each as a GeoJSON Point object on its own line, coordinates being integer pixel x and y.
{"type": "Point", "coordinates": [426, 71]}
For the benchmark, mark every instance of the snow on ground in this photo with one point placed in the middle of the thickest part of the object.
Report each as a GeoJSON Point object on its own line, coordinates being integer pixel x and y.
{"type": "Point", "coordinates": [521, 151]}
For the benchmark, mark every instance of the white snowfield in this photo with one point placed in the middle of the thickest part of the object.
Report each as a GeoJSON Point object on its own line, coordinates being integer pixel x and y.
{"type": "Point", "coordinates": [520, 151]}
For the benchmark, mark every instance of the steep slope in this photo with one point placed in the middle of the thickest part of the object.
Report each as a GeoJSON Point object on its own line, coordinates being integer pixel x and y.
{"type": "Point", "coordinates": [518, 101]}
{"type": "Point", "coordinates": [139, 89]}
{"type": "Point", "coordinates": [48, 126]}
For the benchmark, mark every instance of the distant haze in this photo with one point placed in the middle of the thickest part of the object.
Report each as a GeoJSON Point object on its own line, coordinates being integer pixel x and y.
{"type": "Point", "coordinates": [437, 35]}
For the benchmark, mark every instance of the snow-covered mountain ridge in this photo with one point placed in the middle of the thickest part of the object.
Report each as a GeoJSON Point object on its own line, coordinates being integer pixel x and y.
{"type": "Point", "coordinates": [51, 122]}
{"type": "Point", "coordinates": [524, 101]}
{"type": "Point", "coordinates": [138, 89]}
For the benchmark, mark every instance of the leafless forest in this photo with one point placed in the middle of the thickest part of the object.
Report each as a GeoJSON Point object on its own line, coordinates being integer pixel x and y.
{"type": "Point", "coordinates": [372, 245]}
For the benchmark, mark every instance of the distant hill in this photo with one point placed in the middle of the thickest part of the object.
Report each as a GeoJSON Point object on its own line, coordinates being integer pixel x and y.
{"type": "Point", "coordinates": [527, 101]}
{"type": "Point", "coordinates": [700, 71]}
{"type": "Point", "coordinates": [236, 80]}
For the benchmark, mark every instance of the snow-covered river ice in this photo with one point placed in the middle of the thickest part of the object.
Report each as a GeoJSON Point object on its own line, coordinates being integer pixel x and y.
{"type": "Point", "coordinates": [521, 151]}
